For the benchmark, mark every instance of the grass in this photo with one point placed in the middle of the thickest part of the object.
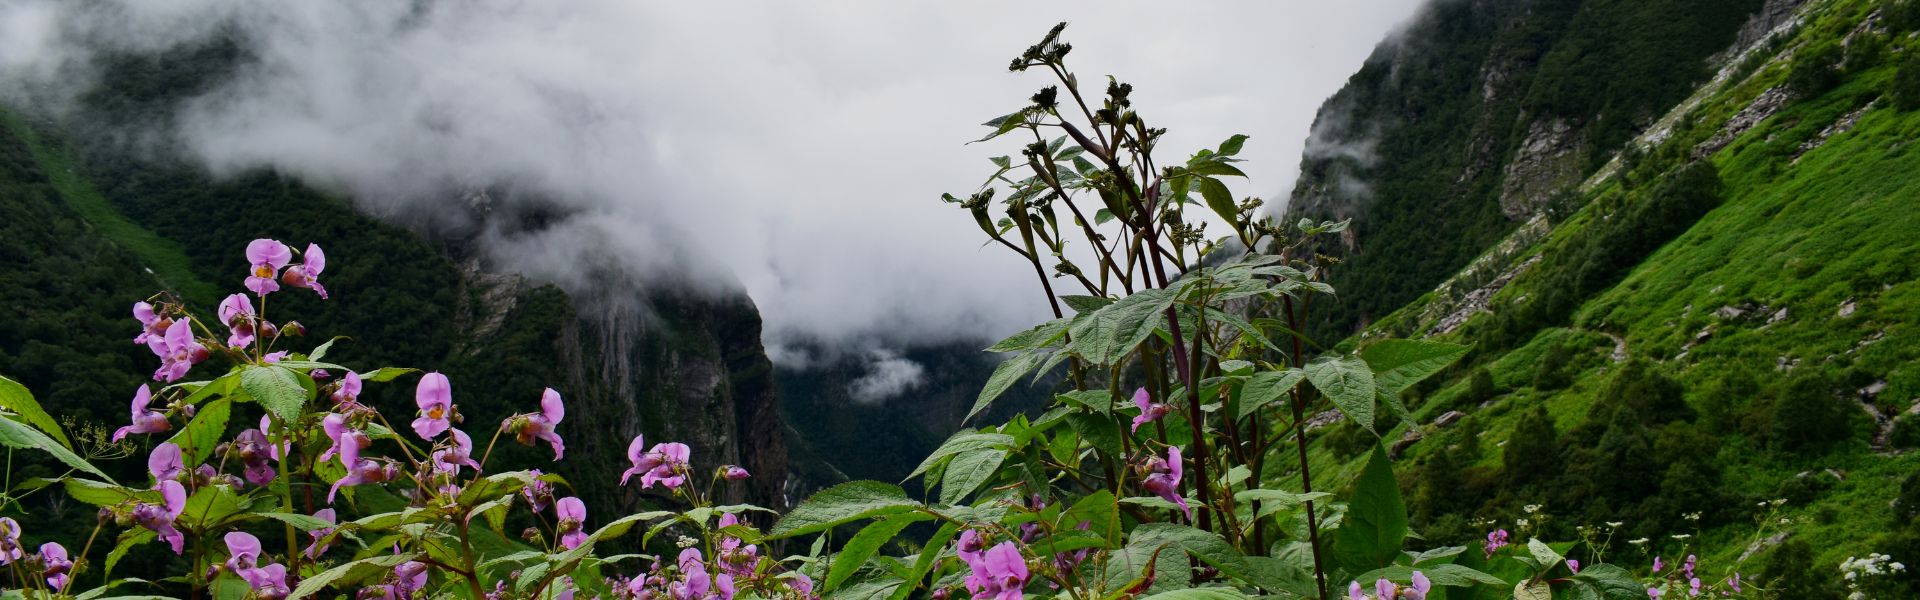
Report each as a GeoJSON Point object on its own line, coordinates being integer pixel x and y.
{"type": "Point", "coordinates": [1839, 224]}
{"type": "Point", "coordinates": [164, 257]}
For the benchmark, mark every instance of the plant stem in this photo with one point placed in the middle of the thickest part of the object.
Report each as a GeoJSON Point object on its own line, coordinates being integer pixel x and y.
{"type": "Point", "coordinates": [1306, 477]}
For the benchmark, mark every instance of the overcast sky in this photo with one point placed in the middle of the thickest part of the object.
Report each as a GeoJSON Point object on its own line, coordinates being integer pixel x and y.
{"type": "Point", "coordinates": [800, 148]}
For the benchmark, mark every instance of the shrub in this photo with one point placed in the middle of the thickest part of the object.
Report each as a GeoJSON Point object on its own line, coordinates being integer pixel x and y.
{"type": "Point", "coordinates": [1905, 89]}
{"type": "Point", "coordinates": [1808, 415]}
{"type": "Point", "coordinates": [1556, 368]}
{"type": "Point", "coordinates": [1815, 70]}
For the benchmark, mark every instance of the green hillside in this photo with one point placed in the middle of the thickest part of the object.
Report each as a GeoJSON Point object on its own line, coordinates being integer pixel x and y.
{"type": "Point", "coordinates": [1723, 322]}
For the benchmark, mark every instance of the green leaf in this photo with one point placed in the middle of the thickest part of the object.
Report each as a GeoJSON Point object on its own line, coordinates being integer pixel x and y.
{"type": "Point", "coordinates": [385, 374]}
{"type": "Point", "coordinates": [1398, 364]}
{"type": "Point", "coordinates": [1605, 582]}
{"type": "Point", "coordinates": [864, 544]}
{"type": "Point", "coordinates": [1086, 304]}
{"type": "Point", "coordinates": [277, 389]}
{"type": "Point", "coordinates": [1214, 168]}
{"type": "Point", "coordinates": [1450, 575]}
{"type": "Point", "coordinates": [843, 503]}
{"type": "Point", "coordinates": [930, 554]}
{"type": "Point", "coordinates": [1232, 145]}
{"type": "Point", "coordinates": [1003, 124]}
{"type": "Point", "coordinates": [105, 494]}
{"type": "Point", "coordinates": [1100, 401]}
{"type": "Point", "coordinates": [1348, 383]}
{"type": "Point", "coordinates": [1112, 332]}
{"type": "Point", "coordinates": [1544, 556]}
{"type": "Point", "coordinates": [212, 505]}
{"type": "Point", "coordinates": [1267, 387]}
{"type": "Point", "coordinates": [962, 441]}
{"type": "Point", "coordinates": [1219, 199]}
{"type": "Point", "coordinates": [1212, 593]}
{"type": "Point", "coordinates": [1532, 590]}
{"type": "Point", "coordinates": [302, 522]}
{"type": "Point", "coordinates": [198, 439]}
{"type": "Point", "coordinates": [14, 434]}
{"type": "Point", "coordinates": [16, 399]}
{"type": "Point", "coordinates": [320, 352]}
{"type": "Point", "coordinates": [1004, 376]}
{"type": "Point", "coordinates": [968, 471]}
{"type": "Point", "coordinates": [350, 573]}
{"type": "Point", "coordinates": [309, 365]}
{"type": "Point", "coordinates": [1376, 521]}
{"type": "Point", "coordinates": [1099, 431]}
{"type": "Point", "coordinates": [1038, 337]}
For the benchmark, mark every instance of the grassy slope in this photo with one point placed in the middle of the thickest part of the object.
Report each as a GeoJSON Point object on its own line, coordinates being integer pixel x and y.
{"type": "Point", "coordinates": [1837, 225]}
{"type": "Point", "coordinates": [163, 256]}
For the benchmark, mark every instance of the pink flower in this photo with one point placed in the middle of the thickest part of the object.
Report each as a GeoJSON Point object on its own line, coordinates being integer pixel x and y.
{"type": "Point", "coordinates": [1354, 593]}
{"type": "Point", "coordinates": [459, 451]}
{"type": "Point", "coordinates": [1420, 588]}
{"type": "Point", "coordinates": [1658, 564]}
{"type": "Point", "coordinates": [666, 464]}
{"type": "Point", "coordinates": [1150, 411]}
{"type": "Point", "coordinates": [349, 390]}
{"type": "Point", "coordinates": [539, 494]}
{"type": "Point", "coordinates": [573, 520]}
{"type": "Point", "coordinates": [1573, 565]}
{"type": "Point", "coordinates": [320, 543]}
{"type": "Point", "coordinates": [236, 311]}
{"type": "Point", "coordinates": [55, 565]}
{"type": "Point", "coordinates": [153, 327]}
{"type": "Point", "coordinates": [736, 558]}
{"type": "Point", "coordinates": [1497, 539]}
{"type": "Point", "coordinates": [166, 462]}
{"type": "Point", "coordinates": [307, 273]}
{"type": "Point", "coordinates": [243, 552]}
{"type": "Point", "coordinates": [540, 426]}
{"type": "Point", "coordinates": [999, 573]}
{"type": "Point", "coordinates": [266, 257]}
{"type": "Point", "coordinates": [434, 396]}
{"type": "Point", "coordinates": [160, 517]}
{"type": "Point", "coordinates": [10, 549]}
{"type": "Point", "coordinates": [737, 473]}
{"type": "Point", "coordinates": [1163, 479]}
{"type": "Point", "coordinates": [254, 451]}
{"type": "Point", "coordinates": [408, 579]}
{"type": "Point", "coordinates": [178, 352]}
{"type": "Point", "coordinates": [359, 470]}
{"type": "Point", "coordinates": [269, 582]}
{"type": "Point", "coordinates": [643, 461]}
{"type": "Point", "coordinates": [145, 420]}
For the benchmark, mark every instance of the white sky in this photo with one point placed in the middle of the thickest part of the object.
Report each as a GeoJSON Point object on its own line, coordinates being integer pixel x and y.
{"type": "Point", "coordinates": [799, 147]}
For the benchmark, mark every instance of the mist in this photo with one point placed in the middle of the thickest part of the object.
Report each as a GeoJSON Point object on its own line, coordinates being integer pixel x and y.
{"type": "Point", "coordinates": [793, 151]}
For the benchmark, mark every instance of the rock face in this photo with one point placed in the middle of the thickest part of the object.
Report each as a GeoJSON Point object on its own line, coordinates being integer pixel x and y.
{"type": "Point", "coordinates": [1548, 160]}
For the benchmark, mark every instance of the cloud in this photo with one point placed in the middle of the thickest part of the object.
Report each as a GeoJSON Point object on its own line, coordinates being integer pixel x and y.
{"type": "Point", "coordinates": [795, 150]}
{"type": "Point", "coordinates": [888, 375]}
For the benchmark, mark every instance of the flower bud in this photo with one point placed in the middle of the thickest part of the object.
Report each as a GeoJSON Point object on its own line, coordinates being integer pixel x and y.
{"type": "Point", "coordinates": [736, 473]}
{"type": "Point", "coordinates": [293, 328]}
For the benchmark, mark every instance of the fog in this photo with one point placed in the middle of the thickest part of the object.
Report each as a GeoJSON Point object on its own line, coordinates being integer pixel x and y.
{"type": "Point", "coordinates": [794, 150]}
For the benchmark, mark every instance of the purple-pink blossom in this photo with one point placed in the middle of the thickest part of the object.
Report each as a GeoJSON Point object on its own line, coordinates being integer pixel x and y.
{"type": "Point", "coordinates": [320, 543]}
{"type": "Point", "coordinates": [166, 462]}
{"type": "Point", "coordinates": [144, 419]}
{"type": "Point", "coordinates": [573, 521]}
{"type": "Point", "coordinates": [307, 273]}
{"type": "Point", "coordinates": [1163, 479]}
{"type": "Point", "coordinates": [665, 464]}
{"type": "Point", "coordinates": [348, 390]}
{"type": "Point", "coordinates": [1573, 565]}
{"type": "Point", "coordinates": [540, 426]}
{"type": "Point", "coordinates": [1497, 539]}
{"type": "Point", "coordinates": [538, 493]}
{"type": "Point", "coordinates": [434, 396]}
{"type": "Point", "coordinates": [457, 453]}
{"type": "Point", "coordinates": [55, 565]}
{"type": "Point", "coordinates": [737, 473]}
{"type": "Point", "coordinates": [265, 258]}
{"type": "Point", "coordinates": [999, 573]}
{"type": "Point", "coordinates": [10, 549]}
{"type": "Point", "coordinates": [347, 443]}
{"type": "Point", "coordinates": [1150, 411]}
{"type": "Point", "coordinates": [736, 558]}
{"type": "Point", "coordinates": [153, 326]}
{"type": "Point", "coordinates": [160, 517]}
{"type": "Point", "coordinates": [178, 351]}
{"type": "Point", "coordinates": [255, 453]}
{"type": "Point", "coordinates": [243, 553]}
{"type": "Point", "coordinates": [236, 312]}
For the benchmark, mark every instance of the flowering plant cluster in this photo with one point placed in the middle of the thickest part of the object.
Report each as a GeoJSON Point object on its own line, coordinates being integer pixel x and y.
{"type": "Point", "coordinates": [1174, 464]}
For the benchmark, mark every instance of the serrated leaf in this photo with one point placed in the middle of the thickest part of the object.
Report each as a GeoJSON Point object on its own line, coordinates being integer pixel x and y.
{"type": "Point", "coordinates": [385, 374]}
{"type": "Point", "coordinates": [1376, 520]}
{"type": "Point", "coordinates": [17, 399]}
{"type": "Point", "coordinates": [1532, 590]}
{"type": "Point", "coordinates": [1232, 145]}
{"type": "Point", "coordinates": [1212, 593]}
{"type": "Point", "coordinates": [864, 544]}
{"type": "Point", "coordinates": [930, 554]}
{"type": "Point", "coordinates": [128, 539]}
{"type": "Point", "coordinates": [1112, 332]}
{"type": "Point", "coordinates": [1449, 575]}
{"type": "Point", "coordinates": [1276, 500]}
{"type": "Point", "coordinates": [1086, 304]}
{"type": "Point", "coordinates": [202, 434]}
{"type": "Point", "coordinates": [277, 389]}
{"type": "Point", "coordinates": [1605, 582]}
{"type": "Point", "coordinates": [350, 573]}
{"type": "Point", "coordinates": [1219, 199]}
{"type": "Point", "coordinates": [961, 442]}
{"type": "Point", "coordinates": [1267, 387]}
{"type": "Point", "coordinates": [105, 494]}
{"type": "Point", "coordinates": [1004, 376]}
{"type": "Point", "coordinates": [1039, 336]}
{"type": "Point", "coordinates": [1348, 382]}
{"type": "Point", "coordinates": [843, 503]}
{"type": "Point", "coordinates": [1398, 364]}
{"type": "Point", "coordinates": [15, 434]}
{"type": "Point", "coordinates": [212, 505]}
{"type": "Point", "coordinates": [300, 521]}
{"type": "Point", "coordinates": [968, 471]}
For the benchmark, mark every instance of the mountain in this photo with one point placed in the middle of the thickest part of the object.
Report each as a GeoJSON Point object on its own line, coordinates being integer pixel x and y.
{"type": "Point", "coordinates": [92, 228]}
{"type": "Point", "coordinates": [1688, 295]}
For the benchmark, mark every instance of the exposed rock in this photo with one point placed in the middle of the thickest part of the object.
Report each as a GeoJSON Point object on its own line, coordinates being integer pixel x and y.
{"type": "Point", "coordinates": [1872, 391]}
{"type": "Point", "coordinates": [1324, 419]}
{"type": "Point", "coordinates": [1778, 316]}
{"type": "Point", "coordinates": [1548, 160]}
{"type": "Point", "coordinates": [1775, 15]}
{"type": "Point", "coordinates": [1759, 546]}
{"type": "Point", "coordinates": [1448, 418]}
{"type": "Point", "coordinates": [1762, 107]}
{"type": "Point", "coordinates": [1730, 312]}
{"type": "Point", "coordinates": [1784, 364]}
{"type": "Point", "coordinates": [1845, 123]}
{"type": "Point", "coordinates": [1475, 301]}
{"type": "Point", "coordinates": [1847, 308]}
{"type": "Point", "coordinates": [1619, 347]}
{"type": "Point", "coordinates": [1408, 439]}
